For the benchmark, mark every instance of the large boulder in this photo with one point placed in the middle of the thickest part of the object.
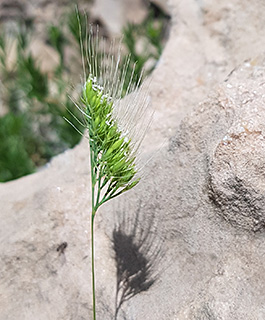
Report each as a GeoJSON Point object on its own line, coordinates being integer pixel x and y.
{"type": "Point", "coordinates": [187, 243]}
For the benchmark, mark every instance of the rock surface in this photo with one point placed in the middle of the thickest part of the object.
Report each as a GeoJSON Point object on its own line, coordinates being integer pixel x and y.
{"type": "Point", "coordinates": [201, 200]}
{"type": "Point", "coordinates": [122, 12]}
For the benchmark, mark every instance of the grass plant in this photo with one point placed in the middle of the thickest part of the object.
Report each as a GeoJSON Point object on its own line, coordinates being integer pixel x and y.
{"type": "Point", "coordinates": [33, 103]}
{"type": "Point", "coordinates": [115, 127]}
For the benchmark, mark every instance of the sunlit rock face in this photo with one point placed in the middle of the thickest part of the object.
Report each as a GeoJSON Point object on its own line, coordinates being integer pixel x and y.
{"type": "Point", "coordinates": [194, 225]}
{"type": "Point", "coordinates": [237, 164]}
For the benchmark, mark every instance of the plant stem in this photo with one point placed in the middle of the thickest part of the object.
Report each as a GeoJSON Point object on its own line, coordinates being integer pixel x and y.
{"type": "Point", "coordinates": [93, 265]}
{"type": "Point", "coordinates": [93, 182]}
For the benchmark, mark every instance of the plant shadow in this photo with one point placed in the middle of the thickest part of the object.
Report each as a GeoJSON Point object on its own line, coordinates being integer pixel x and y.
{"type": "Point", "coordinates": [138, 251]}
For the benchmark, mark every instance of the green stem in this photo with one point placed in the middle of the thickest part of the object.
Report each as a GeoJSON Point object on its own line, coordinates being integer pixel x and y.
{"type": "Point", "coordinates": [93, 182]}
{"type": "Point", "coordinates": [93, 265]}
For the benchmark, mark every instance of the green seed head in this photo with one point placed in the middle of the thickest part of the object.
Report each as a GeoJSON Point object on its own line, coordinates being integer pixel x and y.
{"type": "Point", "coordinates": [113, 125]}
{"type": "Point", "coordinates": [112, 148]}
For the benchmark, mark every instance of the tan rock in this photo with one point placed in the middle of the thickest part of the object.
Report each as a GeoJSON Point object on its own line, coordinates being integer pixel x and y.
{"type": "Point", "coordinates": [208, 268]}
{"type": "Point", "coordinates": [122, 13]}
{"type": "Point", "coordinates": [47, 58]}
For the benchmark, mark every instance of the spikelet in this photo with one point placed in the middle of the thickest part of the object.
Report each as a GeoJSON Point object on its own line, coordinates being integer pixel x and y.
{"type": "Point", "coordinates": [115, 126]}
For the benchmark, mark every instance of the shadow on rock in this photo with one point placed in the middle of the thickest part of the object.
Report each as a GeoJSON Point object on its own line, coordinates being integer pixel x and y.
{"type": "Point", "coordinates": [138, 251]}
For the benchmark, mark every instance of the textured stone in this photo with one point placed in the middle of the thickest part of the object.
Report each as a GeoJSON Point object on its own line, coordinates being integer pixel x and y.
{"type": "Point", "coordinates": [237, 165]}
{"type": "Point", "coordinates": [207, 267]}
{"type": "Point", "coordinates": [123, 12]}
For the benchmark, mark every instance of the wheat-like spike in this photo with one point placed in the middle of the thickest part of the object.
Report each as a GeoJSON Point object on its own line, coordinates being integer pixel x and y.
{"type": "Point", "coordinates": [116, 125]}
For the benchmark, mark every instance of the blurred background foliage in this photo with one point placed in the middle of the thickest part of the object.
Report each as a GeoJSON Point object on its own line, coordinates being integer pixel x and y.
{"type": "Point", "coordinates": [35, 102]}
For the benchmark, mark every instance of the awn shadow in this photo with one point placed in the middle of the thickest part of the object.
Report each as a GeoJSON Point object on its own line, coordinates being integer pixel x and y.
{"type": "Point", "coordinates": [138, 251]}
